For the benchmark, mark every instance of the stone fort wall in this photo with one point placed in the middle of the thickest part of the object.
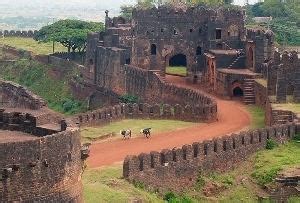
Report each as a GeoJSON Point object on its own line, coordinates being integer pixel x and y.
{"type": "Point", "coordinates": [14, 95]}
{"type": "Point", "coordinates": [18, 33]}
{"type": "Point", "coordinates": [179, 168]}
{"type": "Point", "coordinates": [146, 111]}
{"type": "Point", "coordinates": [45, 167]}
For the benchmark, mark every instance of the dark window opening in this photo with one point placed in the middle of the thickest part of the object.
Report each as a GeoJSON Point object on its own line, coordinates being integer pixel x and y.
{"type": "Point", "coordinates": [238, 92]}
{"type": "Point", "coordinates": [178, 60]}
{"type": "Point", "coordinates": [228, 34]}
{"type": "Point", "coordinates": [218, 34]}
{"type": "Point", "coordinates": [200, 30]}
{"type": "Point", "coordinates": [191, 30]}
{"type": "Point", "coordinates": [91, 62]}
{"type": "Point", "coordinates": [243, 140]}
{"type": "Point", "coordinates": [153, 49]}
{"type": "Point", "coordinates": [162, 30]}
{"type": "Point", "coordinates": [127, 61]}
{"type": "Point", "coordinates": [224, 145]}
{"type": "Point", "coordinates": [205, 149]}
{"type": "Point", "coordinates": [175, 32]}
{"type": "Point", "coordinates": [233, 143]}
{"type": "Point", "coordinates": [199, 51]}
{"type": "Point", "coordinates": [196, 150]}
{"type": "Point", "coordinates": [215, 147]}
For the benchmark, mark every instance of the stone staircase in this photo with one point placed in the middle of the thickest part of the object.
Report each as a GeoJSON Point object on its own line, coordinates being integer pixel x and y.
{"type": "Point", "coordinates": [249, 96]}
{"type": "Point", "coordinates": [236, 60]}
{"type": "Point", "coordinates": [282, 117]}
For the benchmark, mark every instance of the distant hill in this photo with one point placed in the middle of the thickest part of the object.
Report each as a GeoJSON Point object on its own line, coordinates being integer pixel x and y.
{"type": "Point", "coordinates": [33, 14]}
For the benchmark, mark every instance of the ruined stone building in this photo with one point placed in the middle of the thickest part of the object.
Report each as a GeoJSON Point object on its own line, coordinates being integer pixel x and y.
{"type": "Point", "coordinates": [217, 50]}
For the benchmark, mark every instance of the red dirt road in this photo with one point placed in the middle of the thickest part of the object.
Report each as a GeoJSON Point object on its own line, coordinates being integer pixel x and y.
{"type": "Point", "coordinates": [232, 117]}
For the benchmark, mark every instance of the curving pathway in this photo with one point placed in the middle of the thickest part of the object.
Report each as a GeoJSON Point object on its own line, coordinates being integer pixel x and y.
{"type": "Point", "coordinates": [232, 117]}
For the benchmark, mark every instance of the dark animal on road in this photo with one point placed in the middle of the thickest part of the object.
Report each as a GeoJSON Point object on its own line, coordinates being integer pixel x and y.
{"type": "Point", "coordinates": [146, 132]}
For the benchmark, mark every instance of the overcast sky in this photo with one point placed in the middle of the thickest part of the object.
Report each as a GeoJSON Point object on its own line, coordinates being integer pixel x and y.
{"type": "Point", "coordinates": [107, 4]}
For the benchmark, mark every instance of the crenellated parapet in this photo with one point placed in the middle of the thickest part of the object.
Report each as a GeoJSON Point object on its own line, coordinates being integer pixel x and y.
{"type": "Point", "coordinates": [192, 113]}
{"type": "Point", "coordinates": [187, 12]}
{"type": "Point", "coordinates": [176, 168]}
{"type": "Point", "coordinates": [18, 33]}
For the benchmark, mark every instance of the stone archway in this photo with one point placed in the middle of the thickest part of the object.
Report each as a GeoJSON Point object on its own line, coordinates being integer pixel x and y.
{"type": "Point", "coordinates": [177, 65]}
{"type": "Point", "coordinates": [178, 60]}
{"type": "Point", "coordinates": [237, 90]}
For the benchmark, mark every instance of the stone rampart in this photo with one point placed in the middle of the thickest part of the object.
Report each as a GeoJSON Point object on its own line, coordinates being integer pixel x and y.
{"type": "Point", "coordinates": [192, 113]}
{"type": "Point", "coordinates": [179, 168]}
{"type": "Point", "coordinates": [14, 95]}
{"type": "Point", "coordinates": [43, 168]}
{"type": "Point", "coordinates": [18, 33]}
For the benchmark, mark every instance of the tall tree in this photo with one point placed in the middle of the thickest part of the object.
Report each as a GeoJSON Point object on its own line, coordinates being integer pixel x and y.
{"type": "Point", "coordinates": [70, 33]}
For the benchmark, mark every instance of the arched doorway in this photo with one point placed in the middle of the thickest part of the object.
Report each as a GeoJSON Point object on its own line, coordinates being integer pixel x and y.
{"type": "Point", "coordinates": [237, 92]}
{"type": "Point", "coordinates": [177, 65]}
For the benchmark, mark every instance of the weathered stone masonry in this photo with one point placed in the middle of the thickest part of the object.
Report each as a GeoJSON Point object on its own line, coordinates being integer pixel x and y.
{"type": "Point", "coordinates": [47, 165]}
{"type": "Point", "coordinates": [147, 111]}
{"type": "Point", "coordinates": [178, 168]}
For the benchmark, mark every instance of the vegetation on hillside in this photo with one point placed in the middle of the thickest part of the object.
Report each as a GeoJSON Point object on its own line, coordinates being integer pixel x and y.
{"type": "Point", "coordinates": [243, 184]}
{"type": "Point", "coordinates": [41, 79]}
{"type": "Point", "coordinates": [72, 34]}
{"type": "Point", "coordinates": [257, 116]}
{"type": "Point", "coordinates": [30, 44]}
{"type": "Point", "coordinates": [286, 19]}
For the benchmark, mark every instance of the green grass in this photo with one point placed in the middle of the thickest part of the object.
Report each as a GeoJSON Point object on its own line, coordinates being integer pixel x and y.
{"type": "Point", "coordinates": [261, 81]}
{"type": "Point", "coordinates": [135, 125]}
{"type": "Point", "coordinates": [30, 44]}
{"type": "Point", "coordinates": [107, 185]}
{"type": "Point", "coordinates": [37, 77]}
{"type": "Point", "coordinates": [257, 116]}
{"type": "Point", "coordinates": [269, 163]}
{"type": "Point", "coordinates": [294, 107]}
{"type": "Point", "coordinates": [244, 182]}
{"type": "Point", "coordinates": [181, 71]}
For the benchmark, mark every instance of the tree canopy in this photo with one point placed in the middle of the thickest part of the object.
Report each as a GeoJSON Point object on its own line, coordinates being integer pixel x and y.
{"type": "Point", "coordinates": [70, 33]}
{"type": "Point", "coordinates": [286, 19]}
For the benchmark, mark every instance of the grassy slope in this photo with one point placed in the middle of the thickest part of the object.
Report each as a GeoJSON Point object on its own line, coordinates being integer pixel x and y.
{"type": "Point", "coordinates": [257, 116]}
{"type": "Point", "coordinates": [107, 185]}
{"type": "Point", "coordinates": [31, 45]}
{"type": "Point", "coordinates": [288, 107]}
{"type": "Point", "coordinates": [135, 126]}
{"type": "Point", "coordinates": [243, 183]}
{"type": "Point", "coordinates": [36, 77]}
{"type": "Point", "coordinates": [176, 71]}
{"type": "Point", "coordinates": [240, 185]}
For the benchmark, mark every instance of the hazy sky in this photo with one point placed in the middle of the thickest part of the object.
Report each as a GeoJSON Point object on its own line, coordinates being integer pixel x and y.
{"type": "Point", "coordinates": [108, 4]}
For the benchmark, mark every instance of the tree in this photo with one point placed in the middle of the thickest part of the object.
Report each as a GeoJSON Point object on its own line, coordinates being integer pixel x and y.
{"type": "Point", "coordinates": [126, 11]}
{"type": "Point", "coordinates": [70, 33]}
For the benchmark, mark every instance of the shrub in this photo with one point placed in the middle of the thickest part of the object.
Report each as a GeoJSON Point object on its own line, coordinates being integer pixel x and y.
{"type": "Point", "coordinates": [129, 99]}
{"type": "Point", "coordinates": [170, 197]}
{"type": "Point", "coordinates": [297, 137]}
{"type": "Point", "coordinates": [139, 184]}
{"type": "Point", "coordinates": [271, 144]}
{"type": "Point", "coordinates": [266, 176]}
{"type": "Point", "coordinates": [200, 182]}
